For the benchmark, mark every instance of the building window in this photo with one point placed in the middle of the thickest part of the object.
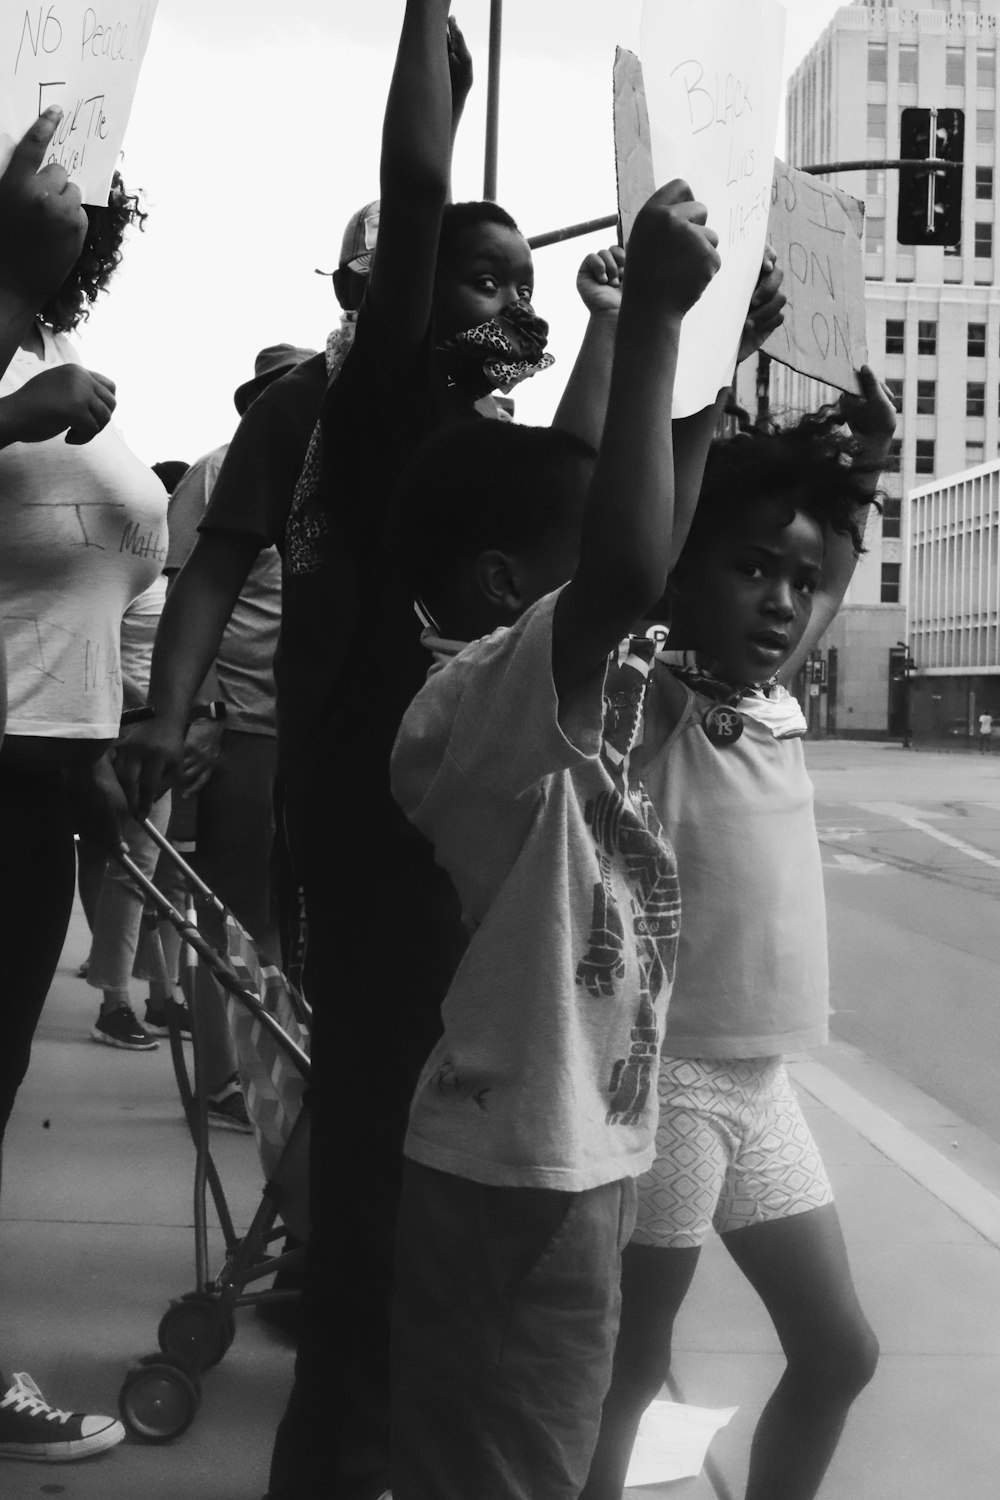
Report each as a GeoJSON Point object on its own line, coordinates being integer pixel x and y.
{"type": "Point", "coordinates": [894, 331]}
{"type": "Point", "coordinates": [984, 240]}
{"type": "Point", "coordinates": [891, 516]}
{"type": "Point", "coordinates": [875, 184]}
{"type": "Point", "coordinates": [927, 337]}
{"type": "Point", "coordinates": [975, 398]}
{"type": "Point", "coordinates": [896, 389]}
{"type": "Point", "coordinates": [975, 452]}
{"type": "Point", "coordinates": [878, 67]}
{"type": "Point", "coordinates": [925, 398]}
{"type": "Point", "coordinates": [975, 340]}
{"type": "Point", "coordinates": [907, 62]}
{"type": "Point", "coordinates": [875, 236]}
{"type": "Point", "coordinates": [889, 593]}
{"type": "Point", "coordinates": [925, 456]}
{"type": "Point", "coordinates": [984, 126]}
{"type": "Point", "coordinates": [891, 465]}
{"type": "Point", "coordinates": [984, 182]}
{"type": "Point", "coordinates": [984, 68]}
{"type": "Point", "coordinates": [876, 121]}
{"type": "Point", "coordinates": [954, 67]}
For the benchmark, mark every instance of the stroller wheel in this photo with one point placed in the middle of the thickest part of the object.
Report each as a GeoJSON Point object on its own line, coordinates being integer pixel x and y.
{"type": "Point", "coordinates": [186, 1330]}
{"type": "Point", "coordinates": [158, 1399]}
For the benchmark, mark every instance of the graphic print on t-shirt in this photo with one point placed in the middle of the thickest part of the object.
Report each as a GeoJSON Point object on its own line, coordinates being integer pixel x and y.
{"type": "Point", "coordinates": [628, 838]}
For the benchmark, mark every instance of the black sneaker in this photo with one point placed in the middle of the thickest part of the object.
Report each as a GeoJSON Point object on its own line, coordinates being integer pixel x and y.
{"type": "Point", "coordinates": [228, 1108]}
{"type": "Point", "coordinates": [155, 1019]}
{"type": "Point", "coordinates": [119, 1028]}
{"type": "Point", "coordinates": [31, 1428]}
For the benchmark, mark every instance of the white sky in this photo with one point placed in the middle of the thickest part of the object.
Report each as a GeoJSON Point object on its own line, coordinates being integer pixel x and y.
{"type": "Point", "coordinates": [255, 135]}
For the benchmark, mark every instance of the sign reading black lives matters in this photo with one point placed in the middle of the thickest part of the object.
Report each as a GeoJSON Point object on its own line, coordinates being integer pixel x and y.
{"type": "Point", "coordinates": [85, 58]}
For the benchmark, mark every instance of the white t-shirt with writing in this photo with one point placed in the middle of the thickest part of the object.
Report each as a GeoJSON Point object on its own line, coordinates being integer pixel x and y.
{"type": "Point", "coordinates": [82, 533]}
{"type": "Point", "coordinates": [545, 1074]}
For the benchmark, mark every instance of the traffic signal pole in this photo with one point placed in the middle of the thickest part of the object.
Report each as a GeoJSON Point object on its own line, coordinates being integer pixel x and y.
{"type": "Point", "coordinates": [493, 102]}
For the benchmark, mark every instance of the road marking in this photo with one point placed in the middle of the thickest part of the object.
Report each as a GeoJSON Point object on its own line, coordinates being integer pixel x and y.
{"type": "Point", "coordinates": [908, 815]}
{"type": "Point", "coordinates": [856, 864]}
{"type": "Point", "coordinates": [946, 1181]}
{"type": "Point", "coordinates": [840, 834]}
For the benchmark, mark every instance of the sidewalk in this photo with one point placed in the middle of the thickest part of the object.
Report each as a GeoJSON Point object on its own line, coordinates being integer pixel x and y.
{"type": "Point", "coordinates": [95, 1240]}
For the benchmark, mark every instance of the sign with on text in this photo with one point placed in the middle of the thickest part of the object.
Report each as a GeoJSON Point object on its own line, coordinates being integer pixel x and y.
{"type": "Point", "coordinates": [712, 71]}
{"type": "Point", "coordinates": [83, 57]}
{"type": "Point", "coordinates": [817, 232]}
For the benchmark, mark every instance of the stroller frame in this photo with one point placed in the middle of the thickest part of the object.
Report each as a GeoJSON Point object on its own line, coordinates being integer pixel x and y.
{"type": "Point", "coordinates": [160, 1395]}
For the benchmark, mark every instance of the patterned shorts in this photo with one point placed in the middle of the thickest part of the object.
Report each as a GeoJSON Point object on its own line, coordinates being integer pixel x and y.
{"type": "Point", "coordinates": [732, 1149]}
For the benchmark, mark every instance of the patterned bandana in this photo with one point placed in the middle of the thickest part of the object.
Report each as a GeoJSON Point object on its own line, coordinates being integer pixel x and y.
{"type": "Point", "coordinates": [306, 524]}
{"type": "Point", "coordinates": [769, 704]}
{"type": "Point", "coordinates": [499, 354]}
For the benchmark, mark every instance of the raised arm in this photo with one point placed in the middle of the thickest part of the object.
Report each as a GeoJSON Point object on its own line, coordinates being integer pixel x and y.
{"type": "Point", "coordinates": [871, 416]}
{"type": "Point", "coordinates": [584, 403]}
{"type": "Point", "coordinates": [44, 226]}
{"type": "Point", "coordinates": [629, 515]}
{"type": "Point", "coordinates": [415, 179]}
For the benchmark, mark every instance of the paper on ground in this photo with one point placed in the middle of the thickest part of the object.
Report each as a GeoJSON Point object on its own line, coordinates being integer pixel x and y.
{"type": "Point", "coordinates": [673, 1440]}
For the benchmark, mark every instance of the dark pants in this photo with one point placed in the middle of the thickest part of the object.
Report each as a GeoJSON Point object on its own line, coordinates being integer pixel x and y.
{"type": "Point", "coordinates": [383, 943]}
{"type": "Point", "coordinates": [506, 1312]}
{"type": "Point", "coordinates": [37, 877]}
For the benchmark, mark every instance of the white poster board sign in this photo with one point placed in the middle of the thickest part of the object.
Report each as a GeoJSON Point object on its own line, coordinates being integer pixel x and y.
{"type": "Point", "coordinates": [817, 231]}
{"type": "Point", "coordinates": [83, 57]}
{"type": "Point", "coordinates": [712, 71]}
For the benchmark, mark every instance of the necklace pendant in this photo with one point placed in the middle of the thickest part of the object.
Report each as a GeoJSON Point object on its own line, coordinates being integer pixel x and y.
{"type": "Point", "coordinates": [723, 725]}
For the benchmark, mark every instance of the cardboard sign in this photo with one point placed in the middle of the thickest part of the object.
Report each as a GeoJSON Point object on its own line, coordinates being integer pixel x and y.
{"type": "Point", "coordinates": [713, 88]}
{"type": "Point", "coordinates": [817, 231]}
{"type": "Point", "coordinates": [83, 57]}
{"type": "Point", "coordinates": [633, 148]}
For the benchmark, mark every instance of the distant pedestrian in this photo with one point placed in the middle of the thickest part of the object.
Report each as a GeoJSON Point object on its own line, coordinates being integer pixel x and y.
{"type": "Point", "coordinates": [985, 732]}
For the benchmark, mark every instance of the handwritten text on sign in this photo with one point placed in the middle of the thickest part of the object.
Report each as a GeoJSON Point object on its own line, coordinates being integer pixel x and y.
{"type": "Point", "coordinates": [712, 71]}
{"type": "Point", "coordinates": [83, 57]}
{"type": "Point", "coordinates": [816, 230]}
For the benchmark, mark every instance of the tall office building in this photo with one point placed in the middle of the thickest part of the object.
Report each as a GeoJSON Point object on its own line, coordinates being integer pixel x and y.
{"type": "Point", "coordinates": [933, 314]}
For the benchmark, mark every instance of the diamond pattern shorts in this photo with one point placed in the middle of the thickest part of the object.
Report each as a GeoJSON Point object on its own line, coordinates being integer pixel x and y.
{"type": "Point", "coordinates": [732, 1149]}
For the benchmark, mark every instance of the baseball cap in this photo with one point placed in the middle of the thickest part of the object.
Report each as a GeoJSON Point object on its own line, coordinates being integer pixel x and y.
{"type": "Point", "coordinates": [272, 362]}
{"type": "Point", "coordinates": [358, 244]}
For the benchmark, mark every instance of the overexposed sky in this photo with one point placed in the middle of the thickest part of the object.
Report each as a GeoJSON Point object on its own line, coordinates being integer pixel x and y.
{"type": "Point", "coordinates": [255, 135]}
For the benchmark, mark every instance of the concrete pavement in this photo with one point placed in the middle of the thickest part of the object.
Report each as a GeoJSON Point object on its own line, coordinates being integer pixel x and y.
{"type": "Point", "coordinates": [95, 1239]}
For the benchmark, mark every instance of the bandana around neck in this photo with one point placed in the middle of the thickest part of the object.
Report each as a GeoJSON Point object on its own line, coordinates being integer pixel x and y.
{"type": "Point", "coordinates": [769, 703]}
{"type": "Point", "coordinates": [499, 354]}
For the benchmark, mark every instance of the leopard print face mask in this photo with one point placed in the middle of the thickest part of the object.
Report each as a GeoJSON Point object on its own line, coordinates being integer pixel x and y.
{"type": "Point", "coordinates": [499, 354]}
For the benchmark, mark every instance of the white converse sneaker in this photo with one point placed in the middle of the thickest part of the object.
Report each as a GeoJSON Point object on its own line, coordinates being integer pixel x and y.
{"type": "Point", "coordinates": [31, 1428]}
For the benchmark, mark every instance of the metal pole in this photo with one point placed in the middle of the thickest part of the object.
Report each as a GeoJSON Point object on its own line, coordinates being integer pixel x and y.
{"type": "Point", "coordinates": [493, 102]}
{"type": "Point", "coordinates": [572, 231]}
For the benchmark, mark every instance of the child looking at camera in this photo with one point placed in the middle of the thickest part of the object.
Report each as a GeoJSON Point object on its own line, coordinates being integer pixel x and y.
{"type": "Point", "coordinates": [773, 544]}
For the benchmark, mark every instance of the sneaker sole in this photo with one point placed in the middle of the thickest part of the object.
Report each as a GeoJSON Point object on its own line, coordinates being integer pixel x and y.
{"type": "Point", "coordinates": [155, 1030]}
{"type": "Point", "coordinates": [226, 1122]}
{"type": "Point", "coordinates": [111, 1041]}
{"type": "Point", "coordinates": [54, 1453]}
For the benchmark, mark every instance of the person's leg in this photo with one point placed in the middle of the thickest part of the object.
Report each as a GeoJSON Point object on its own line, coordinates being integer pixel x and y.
{"type": "Point", "coordinates": [655, 1282]}
{"type": "Point", "coordinates": [504, 1325]}
{"type": "Point", "coordinates": [36, 899]}
{"type": "Point", "coordinates": [799, 1269]}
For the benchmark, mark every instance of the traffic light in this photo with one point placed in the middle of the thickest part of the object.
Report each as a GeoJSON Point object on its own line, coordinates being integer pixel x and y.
{"type": "Point", "coordinates": [930, 198]}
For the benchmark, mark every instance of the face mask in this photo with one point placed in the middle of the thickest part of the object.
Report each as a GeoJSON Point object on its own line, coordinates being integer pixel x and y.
{"type": "Point", "coordinates": [499, 354]}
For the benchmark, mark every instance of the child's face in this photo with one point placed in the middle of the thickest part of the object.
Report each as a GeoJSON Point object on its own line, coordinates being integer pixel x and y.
{"type": "Point", "coordinates": [745, 600]}
{"type": "Point", "coordinates": [489, 267]}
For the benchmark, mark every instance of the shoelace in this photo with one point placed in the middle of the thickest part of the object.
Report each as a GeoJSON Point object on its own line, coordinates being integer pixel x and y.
{"type": "Point", "coordinates": [24, 1395]}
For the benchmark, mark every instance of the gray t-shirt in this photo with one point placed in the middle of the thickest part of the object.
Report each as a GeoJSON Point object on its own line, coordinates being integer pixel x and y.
{"type": "Point", "coordinates": [245, 664]}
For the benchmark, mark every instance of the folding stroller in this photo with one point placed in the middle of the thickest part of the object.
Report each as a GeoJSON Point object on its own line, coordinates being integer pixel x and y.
{"type": "Point", "coordinates": [269, 1022]}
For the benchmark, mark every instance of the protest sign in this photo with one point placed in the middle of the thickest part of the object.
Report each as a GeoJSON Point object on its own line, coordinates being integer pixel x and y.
{"type": "Point", "coordinates": [712, 72]}
{"type": "Point", "coordinates": [633, 149]}
{"type": "Point", "coordinates": [83, 57]}
{"type": "Point", "coordinates": [817, 231]}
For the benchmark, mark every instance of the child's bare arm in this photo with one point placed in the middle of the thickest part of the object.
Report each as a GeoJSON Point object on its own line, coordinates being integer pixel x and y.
{"type": "Point", "coordinates": [872, 418]}
{"type": "Point", "coordinates": [628, 520]}
{"type": "Point", "coordinates": [415, 174]}
{"type": "Point", "coordinates": [584, 403]}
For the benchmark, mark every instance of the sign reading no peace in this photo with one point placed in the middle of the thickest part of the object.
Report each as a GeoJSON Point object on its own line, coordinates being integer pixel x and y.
{"type": "Point", "coordinates": [84, 58]}
{"type": "Point", "coordinates": [816, 231]}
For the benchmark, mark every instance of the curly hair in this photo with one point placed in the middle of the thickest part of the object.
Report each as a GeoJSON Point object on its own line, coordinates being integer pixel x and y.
{"type": "Point", "coordinates": [97, 261]}
{"type": "Point", "coordinates": [813, 463]}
